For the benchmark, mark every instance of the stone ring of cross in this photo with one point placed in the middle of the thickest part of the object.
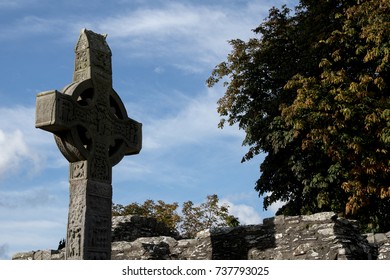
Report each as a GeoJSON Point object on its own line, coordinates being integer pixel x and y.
{"type": "Point", "coordinates": [92, 121]}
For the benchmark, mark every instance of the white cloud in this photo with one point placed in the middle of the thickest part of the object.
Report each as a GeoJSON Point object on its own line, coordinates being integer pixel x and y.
{"type": "Point", "coordinates": [188, 68]}
{"type": "Point", "coordinates": [194, 36]}
{"type": "Point", "coordinates": [195, 123]}
{"type": "Point", "coordinates": [32, 228]}
{"type": "Point", "coordinates": [159, 70]}
{"type": "Point", "coordinates": [161, 22]}
{"type": "Point", "coordinates": [164, 29]}
{"type": "Point", "coordinates": [181, 147]}
{"type": "Point", "coordinates": [12, 145]}
{"type": "Point", "coordinates": [274, 207]}
{"type": "Point", "coordinates": [131, 169]}
{"type": "Point", "coordinates": [40, 224]}
{"type": "Point", "coordinates": [19, 143]}
{"type": "Point", "coordinates": [32, 25]}
{"type": "Point", "coordinates": [246, 214]}
{"type": "Point", "coordinates": [28, 198]}
{"type": "Point", "coordinates": [14, 150]}
{"type": "Point", "coordinates": [36, 234]}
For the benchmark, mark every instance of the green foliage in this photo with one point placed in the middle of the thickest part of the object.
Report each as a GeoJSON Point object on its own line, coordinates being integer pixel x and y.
{"type": "Point", "coordinates": [311, 91]}
{"type": "Point", "coordinates": [346, 109]}
{"type": "Point", "coordinates": [207, 215]}
{"type": "Point", "coordinates": [161, 211]}
{"type": "Point", "coordinates": [193, 219]}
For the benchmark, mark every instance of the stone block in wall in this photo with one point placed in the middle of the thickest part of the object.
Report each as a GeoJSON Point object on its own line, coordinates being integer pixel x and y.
{"type": "Point", "coordinates": [144, 248]}
{"type": "Point", "coordinates": [384, 247]}
{"type": "Point", "coordinates": [24, 256]}
{"type": "Point", "coordinates": [192, 249]}
{"type": "Point", "coordinates": [41, 255]}
{"type": "Point", "coordinates": [381, 244]}
{"type": "Point", "coordinates": [58, 254]}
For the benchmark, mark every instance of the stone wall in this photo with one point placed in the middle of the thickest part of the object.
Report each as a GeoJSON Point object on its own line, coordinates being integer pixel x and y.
{"type": "Point", "coordinates": [380, 243]}
{"type": "Point", "coordinates": [320, 236]}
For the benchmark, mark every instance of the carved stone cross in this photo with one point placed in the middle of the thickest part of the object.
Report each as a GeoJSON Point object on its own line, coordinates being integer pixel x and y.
{"type": "Point", "coordinates": [93, 132]}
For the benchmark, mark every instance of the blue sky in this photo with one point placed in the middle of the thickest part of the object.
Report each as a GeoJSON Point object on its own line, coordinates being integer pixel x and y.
{"type": "Point", "coordinates": [163, 51]}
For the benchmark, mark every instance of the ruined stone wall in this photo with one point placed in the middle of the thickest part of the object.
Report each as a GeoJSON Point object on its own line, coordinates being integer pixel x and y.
{"type": "Point", "coordinates": [320, 236]}
{"type": "Point", "coordinates": [380, 243]}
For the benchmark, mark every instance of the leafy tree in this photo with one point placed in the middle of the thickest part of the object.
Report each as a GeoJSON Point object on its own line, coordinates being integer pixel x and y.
{"type": "Point", "coordinates": [344, 112]}
{"type": "Point", "coordinates": [311, 92]}
{"type": "Point", "coordinates": [209, 214]}
{"type": "Point", "coordinates": [161, 211]}
{"type": "Point", "coordinates": [192, 222]}
{"type": "Point", "coordinates": [193, 219]}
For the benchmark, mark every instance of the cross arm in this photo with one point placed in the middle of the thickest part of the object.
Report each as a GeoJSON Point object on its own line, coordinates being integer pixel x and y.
{"type": "Point", "coordinates": [52, 109]}
{"type": "Point", "coordinates": [133, 137]}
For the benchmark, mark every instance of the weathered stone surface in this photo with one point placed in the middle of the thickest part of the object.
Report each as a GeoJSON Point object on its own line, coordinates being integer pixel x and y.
{"type": "Point", "coordinates": [24, 256]}
{"type": "Point", "coordinates": [41, 255]}
{"type": "Point", "coordinates": [145, 248]}
{"type": "Point", "coordinates": [323, 216]}
{"type": "Point", "coordinates": [93, 132]}
{"type": "Point", "coordinates": [381, 244]}
{"type": "Point", "coordinates": [321, 236]}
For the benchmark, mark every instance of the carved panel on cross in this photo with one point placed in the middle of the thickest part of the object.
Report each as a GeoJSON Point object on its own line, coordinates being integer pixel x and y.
{"type": "Point", "coordinates": [100, 169]}
{"type": "Point", "coordinates": [78, 170]}
{"type": "Point", "coordinates": [76, 219]}
{"type": "Point", "coordinates": [99, 201]}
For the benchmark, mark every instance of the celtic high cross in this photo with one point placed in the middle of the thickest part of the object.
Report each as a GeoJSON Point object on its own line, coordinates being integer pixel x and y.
{"type": "Point", "coordinates": [93, 132]}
